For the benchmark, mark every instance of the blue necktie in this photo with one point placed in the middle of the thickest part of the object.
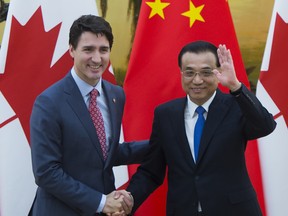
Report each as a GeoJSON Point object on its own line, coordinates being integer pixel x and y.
{"type": "Point", "coordinates": [198, 130]}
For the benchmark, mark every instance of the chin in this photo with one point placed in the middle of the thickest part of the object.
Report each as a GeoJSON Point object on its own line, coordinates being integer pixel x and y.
{"type": "Point", "coordinates": [96, 75]}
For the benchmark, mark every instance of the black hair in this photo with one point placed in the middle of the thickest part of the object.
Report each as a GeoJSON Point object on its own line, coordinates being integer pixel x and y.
{"type": "Point", "coordinates": [90, 23]}
{"type": "Point", "coordinates": [198, 47]}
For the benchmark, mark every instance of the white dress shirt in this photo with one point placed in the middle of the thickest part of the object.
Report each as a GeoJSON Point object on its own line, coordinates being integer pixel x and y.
{"type": "Point", "coordinates": [190, 118]}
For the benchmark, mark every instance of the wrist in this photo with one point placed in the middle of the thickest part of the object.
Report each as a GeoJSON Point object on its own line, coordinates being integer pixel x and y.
{"type": "Point", "coordinates": [236, 92]}
{"type": "Point", "coordinates": [235, 87]}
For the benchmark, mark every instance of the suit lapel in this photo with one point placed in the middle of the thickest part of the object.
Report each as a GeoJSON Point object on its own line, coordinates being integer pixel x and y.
{"type": "Point", "coordinates": [217, 111]}
{"type": "Point", "coordinates": [179, 127]}
{"type": "Point", "coordinates": [75, 100]}
{"type": "Point", "coordinates": [111, 102]}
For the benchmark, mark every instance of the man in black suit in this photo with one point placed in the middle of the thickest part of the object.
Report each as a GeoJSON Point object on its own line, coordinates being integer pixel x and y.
{"type": "Point", "coordinates": [210, 179]}
{"type": "Point", "coordinates": [72, 160]}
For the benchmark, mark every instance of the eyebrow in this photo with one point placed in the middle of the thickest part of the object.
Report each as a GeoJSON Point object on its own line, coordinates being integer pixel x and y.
{"type": "Point", "coordinates": [93, 47]}
{"type": "Point", "coordinates": [104, 47]}
{"type": "Point", "coordinates": [191, 68]}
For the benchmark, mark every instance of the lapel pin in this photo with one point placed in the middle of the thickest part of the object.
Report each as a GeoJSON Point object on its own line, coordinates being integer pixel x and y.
{"type": "Point", "coordinates": [114, 100]}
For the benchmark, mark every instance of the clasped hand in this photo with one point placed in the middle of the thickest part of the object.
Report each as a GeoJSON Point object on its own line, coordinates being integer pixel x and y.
{"type": "Point", "coordinates": [118, 203]}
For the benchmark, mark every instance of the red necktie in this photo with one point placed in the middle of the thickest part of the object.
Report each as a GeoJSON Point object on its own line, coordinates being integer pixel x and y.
{"type": "Point", "coordinates": [98, 121]}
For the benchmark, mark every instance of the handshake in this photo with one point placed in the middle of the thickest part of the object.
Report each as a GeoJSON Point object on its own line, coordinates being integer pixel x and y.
{"type": "Point", "coordinates": [118, 203]}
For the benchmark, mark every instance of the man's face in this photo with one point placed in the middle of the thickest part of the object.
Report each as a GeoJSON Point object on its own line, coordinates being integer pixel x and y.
{"type": "Point", "coordinates": [91, 57]}
{"type": "Point", "coordinates": [203, 84]}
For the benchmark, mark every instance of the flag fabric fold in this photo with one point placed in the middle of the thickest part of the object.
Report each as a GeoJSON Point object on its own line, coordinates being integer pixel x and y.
{"type": "Point", "coordinates": [153, 76]}
{"type": "Point", "coordinates": [272, 91]}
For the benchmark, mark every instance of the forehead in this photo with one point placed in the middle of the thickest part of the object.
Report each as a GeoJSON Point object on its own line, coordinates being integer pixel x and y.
{"type": "Point", "coordinates": [197, 59]}
{"type": "Point", "coordinates": [92, 39]}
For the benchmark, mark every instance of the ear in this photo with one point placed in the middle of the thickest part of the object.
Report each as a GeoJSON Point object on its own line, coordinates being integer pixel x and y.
{"type": "Point", "coordinates": [71, 50]}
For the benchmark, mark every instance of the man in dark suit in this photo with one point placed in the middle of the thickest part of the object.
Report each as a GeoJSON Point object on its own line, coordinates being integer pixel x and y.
{"type": "Point", "coordinates": [73, 172]}
{"type": "Point", "coordinates": [212, 179]}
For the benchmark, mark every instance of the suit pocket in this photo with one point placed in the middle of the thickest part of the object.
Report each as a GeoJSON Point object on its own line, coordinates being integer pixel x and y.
{"type": "Point", "coordinates": [244, 203]}
{"type": "Point", "coordinates": [241, 196]}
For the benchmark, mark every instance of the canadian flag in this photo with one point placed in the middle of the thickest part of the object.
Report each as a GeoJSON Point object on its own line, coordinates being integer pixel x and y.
{"type": "Point", "coordinates": [272, 91]}
{"type": "Point", "coordinates": [34, 54]}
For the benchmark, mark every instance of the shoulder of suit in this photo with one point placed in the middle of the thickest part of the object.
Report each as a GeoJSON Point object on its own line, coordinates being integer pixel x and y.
{"type": "Point", "coordinates": [55, 87]}
{"type": "Point", "coordinates": [107, 83]}
{"type": "Point", "coordinates": [173, 102]}
{"type": "Point", "coordinates": [113, 89]}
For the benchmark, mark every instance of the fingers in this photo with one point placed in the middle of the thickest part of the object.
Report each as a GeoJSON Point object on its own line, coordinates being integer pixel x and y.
{"type": "Point", "coordinates": [128, 201]}
{"type": "Point", "coordinates": [113, 205]}
{"type": "Point", "coordinates": [118, 214]}
{"type": "Point", "coordinates": [226, 73]}
{"type": "Point", "coordinates": [224, 55]}
{"type": "Point", "coordinates": [117, 194]}
{"type": "Point", "coordinates": [118, 203]}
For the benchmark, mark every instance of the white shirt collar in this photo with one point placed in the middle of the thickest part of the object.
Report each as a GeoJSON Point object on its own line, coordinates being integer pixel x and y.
{"type": "Point", "coordinates": [191, 106]}
{"type": "Point", "coordinates": [84, 87]}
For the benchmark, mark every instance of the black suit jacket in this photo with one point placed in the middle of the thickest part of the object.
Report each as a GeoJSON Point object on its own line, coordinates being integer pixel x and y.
{"type": "Point", "coordinates": [219, 179]}
{"type": "Point", "coordinates": [67, 160]}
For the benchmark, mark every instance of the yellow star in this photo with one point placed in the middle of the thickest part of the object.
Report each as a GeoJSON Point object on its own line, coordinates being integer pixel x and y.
{"type": "Point", "coordinates": [194, 13]}
{"type": "Point", "coordinates": [157, 8]}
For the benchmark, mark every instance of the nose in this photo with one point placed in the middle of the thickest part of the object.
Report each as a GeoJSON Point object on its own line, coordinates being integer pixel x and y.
{"type": "Point", "coordinates": [96, 57]}
{"type": "Point", "coordinates": [197, 79]}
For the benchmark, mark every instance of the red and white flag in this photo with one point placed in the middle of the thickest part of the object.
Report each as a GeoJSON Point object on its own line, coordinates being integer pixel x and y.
{"type": "Point", "coordinates": [153, 76]}
{"type": "Point", "coordinates": [34, 55]}
{"type": "Point", "coordinates": [272, 91]}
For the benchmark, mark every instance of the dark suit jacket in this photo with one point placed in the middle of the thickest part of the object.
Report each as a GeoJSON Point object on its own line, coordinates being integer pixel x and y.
{"type": "Point", "coordinates": [67, 159]}
{"type": "Point", "coordinates": [219, 179]}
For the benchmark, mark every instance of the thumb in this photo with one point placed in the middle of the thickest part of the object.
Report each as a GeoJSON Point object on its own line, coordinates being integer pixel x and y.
{"type": "Point", "coordinates": [116, 195]}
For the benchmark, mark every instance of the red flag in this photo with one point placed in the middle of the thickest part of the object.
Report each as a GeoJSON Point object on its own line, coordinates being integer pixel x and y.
{"type": "Point", "coordinates": [153, 76]}
{"type": "Point", "coordinates": [272, 91]}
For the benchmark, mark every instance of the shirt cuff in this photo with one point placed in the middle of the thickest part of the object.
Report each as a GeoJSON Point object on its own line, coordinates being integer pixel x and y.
{"type": "Point", "coordinates": [102, 204]}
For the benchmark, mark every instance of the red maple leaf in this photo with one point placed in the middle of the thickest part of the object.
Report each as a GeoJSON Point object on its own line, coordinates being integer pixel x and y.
{"type": "Point", "coordinates": [28, 71]}
{"type": "Point", "coordinates": [275, 79]}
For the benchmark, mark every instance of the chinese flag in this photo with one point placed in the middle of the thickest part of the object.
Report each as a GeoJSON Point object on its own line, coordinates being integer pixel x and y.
{"type": "Point", "coordinates": [272, 91]}
{"type": "Point", "coordinates": [34, 54]}
{"type": "Point", "coordinates": [153, 76]}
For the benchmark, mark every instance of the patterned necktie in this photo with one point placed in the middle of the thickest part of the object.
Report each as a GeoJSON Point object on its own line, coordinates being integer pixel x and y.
{"type": "Point", "coordinates": [198, 130]}
{"type": "Point", "coordinates": [98, 121]}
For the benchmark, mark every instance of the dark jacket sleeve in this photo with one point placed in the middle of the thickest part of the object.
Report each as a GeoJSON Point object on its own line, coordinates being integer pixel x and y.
{"type": "Point", "coordinates": [150, 175]}
{"type": "Point", "coordinates": [259, 122]}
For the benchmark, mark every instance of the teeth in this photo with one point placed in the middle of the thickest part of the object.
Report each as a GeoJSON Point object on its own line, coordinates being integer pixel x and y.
{"type": "Point", "coordinates": [95, 66]}
{"type": "Point", "coordinates": [197, 89]}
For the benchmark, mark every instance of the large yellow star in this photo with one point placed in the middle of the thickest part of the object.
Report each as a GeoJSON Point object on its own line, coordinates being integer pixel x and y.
{"type": "Point", "coordinates": [194, 13]}
{"type": "Point", "coordinates": [157, 8]}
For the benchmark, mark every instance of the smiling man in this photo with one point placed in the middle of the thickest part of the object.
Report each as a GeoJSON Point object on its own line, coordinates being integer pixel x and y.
{"type": "Point", "coordinates": [75, 129]}
{"type": "Point", "coordinates": [201, 140]}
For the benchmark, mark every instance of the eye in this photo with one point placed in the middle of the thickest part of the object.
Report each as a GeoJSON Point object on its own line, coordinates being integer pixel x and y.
{"type": "Point", "coordinates": [189, 73]}
{"type": "Point", "coordinates": [87, 49]}
{"type": "Point", "coordinates": [104, 49]}
{"type": "Point", "coordinates": [206, 72]}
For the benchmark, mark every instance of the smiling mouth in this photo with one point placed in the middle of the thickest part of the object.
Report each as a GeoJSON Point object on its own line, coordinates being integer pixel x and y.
{"type": "Point", "coordinates": [197, 89]}
{"type": "Point", "coordinates": [95, 67]}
